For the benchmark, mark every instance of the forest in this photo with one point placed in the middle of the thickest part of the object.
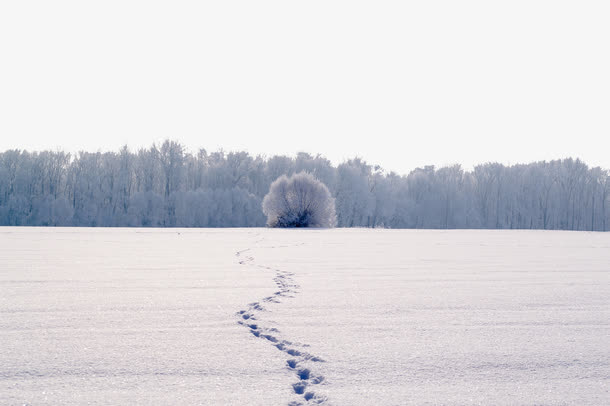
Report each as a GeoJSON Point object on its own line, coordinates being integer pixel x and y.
{"type": "Point", "coordinates": [167, 186]}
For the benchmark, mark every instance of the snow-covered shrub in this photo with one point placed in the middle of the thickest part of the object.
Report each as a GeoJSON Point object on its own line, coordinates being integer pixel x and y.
{"type": "Point", "coordinates": [299, 201]}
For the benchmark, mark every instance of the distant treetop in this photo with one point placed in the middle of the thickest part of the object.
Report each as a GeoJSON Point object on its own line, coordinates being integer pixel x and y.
{"type": "Point", "coordinates": [167, 186]}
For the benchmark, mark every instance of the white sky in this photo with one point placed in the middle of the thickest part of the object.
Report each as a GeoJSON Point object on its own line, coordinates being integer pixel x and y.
{"type": "Point", "coordinates": [402, 84]}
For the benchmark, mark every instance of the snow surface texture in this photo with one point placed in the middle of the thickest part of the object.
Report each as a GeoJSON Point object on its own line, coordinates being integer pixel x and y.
{"type": "Point", "coordinates": [279, 317]}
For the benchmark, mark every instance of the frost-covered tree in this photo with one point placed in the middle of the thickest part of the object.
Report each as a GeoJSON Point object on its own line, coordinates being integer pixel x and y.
{"type": "Point", "coordinates": [355, 193]}
{"type": "Point", "coordinates": [168, 186]}
{"type": "Point", "coordinates": [299, 201]}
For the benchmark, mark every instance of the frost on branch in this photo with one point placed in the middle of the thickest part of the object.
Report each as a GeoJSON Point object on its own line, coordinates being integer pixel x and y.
{"type": "Point", "coordinates": [299, 201]}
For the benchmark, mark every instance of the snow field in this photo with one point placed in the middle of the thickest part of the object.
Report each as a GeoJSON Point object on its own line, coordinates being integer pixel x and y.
{"type": "Point", "coordinates": [334, 317]}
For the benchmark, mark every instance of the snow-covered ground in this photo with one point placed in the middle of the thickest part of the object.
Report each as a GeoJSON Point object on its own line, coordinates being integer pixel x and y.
{"type": "Point", "coordinates": [345, 316]}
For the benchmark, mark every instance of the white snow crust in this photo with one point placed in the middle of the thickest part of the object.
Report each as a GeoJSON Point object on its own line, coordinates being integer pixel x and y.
{"type": "Point", "coordinates": [278, 317]}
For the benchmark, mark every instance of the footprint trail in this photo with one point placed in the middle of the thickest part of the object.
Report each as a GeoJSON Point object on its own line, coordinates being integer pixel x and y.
{"type": "Point", "coordinates": [298, 359]}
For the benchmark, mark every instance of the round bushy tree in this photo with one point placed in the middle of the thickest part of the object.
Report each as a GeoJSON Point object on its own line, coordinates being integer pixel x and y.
{"type": "Point", "coordinates": [299, 201]}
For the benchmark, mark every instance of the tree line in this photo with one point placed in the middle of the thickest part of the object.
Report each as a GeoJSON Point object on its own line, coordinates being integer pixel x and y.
{"type": "Point", "coordinates": [167, 186]}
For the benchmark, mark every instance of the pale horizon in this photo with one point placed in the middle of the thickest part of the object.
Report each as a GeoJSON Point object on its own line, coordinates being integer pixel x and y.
{"type": "Point", "coordinates": [335, 162]}
{"type": "Point", "coordinates": [400, 85]}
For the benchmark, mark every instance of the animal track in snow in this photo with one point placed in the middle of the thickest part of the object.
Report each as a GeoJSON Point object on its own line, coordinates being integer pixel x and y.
{"type": "Point", "coordinates": [305, 380]}
{"type": "Point", "coordinates": [299, 360]}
